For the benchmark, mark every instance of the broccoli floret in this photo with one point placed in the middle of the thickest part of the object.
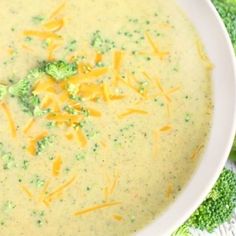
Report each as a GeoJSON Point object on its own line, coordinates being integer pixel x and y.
{"type": "Point", "coordinates": [60, 70]}
{"type": "Point", "coordinates": [3, 91]}
{"type": "Point", "coordinates": [227, 10]}
{"type": "Point", "coordinates": [22, 90]}
{"type": "Point", "coordinates": [217, 208]}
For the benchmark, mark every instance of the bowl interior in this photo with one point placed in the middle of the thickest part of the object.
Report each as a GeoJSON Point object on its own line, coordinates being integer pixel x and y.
{"type": "Point", "coordinates": [218, 46]}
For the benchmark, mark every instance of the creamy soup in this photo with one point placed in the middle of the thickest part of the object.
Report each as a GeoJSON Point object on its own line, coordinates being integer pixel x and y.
{"type": "Point", "coordinates": [105, 109]}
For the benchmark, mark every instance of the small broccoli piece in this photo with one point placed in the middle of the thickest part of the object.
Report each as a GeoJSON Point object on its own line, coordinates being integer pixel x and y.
{"type": "Point", "coordinates": [100, 44]}
{"type": "Point", "coordinates": [60, 70]}
{"type": "Point", "coordinates": [43, 144]}
{"type": "Point", "coordinates": [3, 91]}
{"type": "Point", "coordinates": [227, 10]}
{"type": "Point", "coordinates": [22, 90]}
{"type": "Point", "coordinates": [218, 207]}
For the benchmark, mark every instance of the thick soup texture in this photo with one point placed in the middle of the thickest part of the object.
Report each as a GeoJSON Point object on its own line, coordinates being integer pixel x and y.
{"type": "Point", "coordinates": [105, 108]}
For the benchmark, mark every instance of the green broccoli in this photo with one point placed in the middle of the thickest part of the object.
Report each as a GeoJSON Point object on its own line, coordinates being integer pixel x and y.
{"type": "Point", "coordinates": [60, 70]}
{"type": "Point", "coordinates": [227, 10]}
{"type": "Point", "coordinates": [43, 144]}
{"type": "Point", "coordinates": [3, 91]}
{"type": "Point", "coordinates": [100, 44]}
{"type": "Point", "coordinates": [22, 90]}
{"type": "Point", "coordinates": [232, 155]}
{"type": "Point", "coordinates": [217, 208]}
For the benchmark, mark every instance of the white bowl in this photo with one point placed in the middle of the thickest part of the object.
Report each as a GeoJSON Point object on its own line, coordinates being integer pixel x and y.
{"type": "Point", "coordinates": [217, 42]}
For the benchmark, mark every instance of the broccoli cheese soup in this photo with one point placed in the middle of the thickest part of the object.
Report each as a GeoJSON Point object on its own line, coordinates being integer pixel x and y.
{"type": "Point", "coordinates": [105, 109]}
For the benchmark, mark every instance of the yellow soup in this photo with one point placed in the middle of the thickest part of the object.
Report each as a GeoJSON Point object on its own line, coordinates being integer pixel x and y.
{"type": "Point", "coordinates": [105, 108]}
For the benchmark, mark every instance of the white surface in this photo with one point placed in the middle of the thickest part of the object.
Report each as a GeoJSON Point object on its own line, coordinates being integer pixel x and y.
{"type": "Point", "coordinates": [217, 42]}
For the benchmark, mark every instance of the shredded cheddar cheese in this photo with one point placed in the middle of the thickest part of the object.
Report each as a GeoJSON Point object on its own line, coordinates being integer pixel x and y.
{"type": "Point", "coordinates": [57, 166]}
{"type": "Point", "coordinates": [41, 34]}
{"type": "Point", "coordinates": [58, 10]}
{"type": "Point", "coordinates": [81, 138]}
{"type": "Point", "coordinates": [32, 148]}
{"type": "Point", "coordinates": [29, 126]}
{"type": "Point", "coordinates": [160, 54]}
{"type": "Point", "coordinates": [54, 25]}
{"type": "Point", "coordinates": [9, 117]}
{"type": "Point", "coordinates": [131, 112]}
{"type": "Point", "coordinates": [95, 208]}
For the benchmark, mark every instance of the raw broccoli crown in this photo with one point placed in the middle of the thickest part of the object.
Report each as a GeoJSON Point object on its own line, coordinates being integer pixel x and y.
{"type": "Point", "coordinates": [219, 204]}
{"type": "Point", "coordinates": [217, 208]}
{"type": "Point", "coordinates": [227, 10]}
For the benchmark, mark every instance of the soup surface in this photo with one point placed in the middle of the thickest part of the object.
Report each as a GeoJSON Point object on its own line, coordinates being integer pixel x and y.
{"type": "Point", "coordinates": [105, 108]}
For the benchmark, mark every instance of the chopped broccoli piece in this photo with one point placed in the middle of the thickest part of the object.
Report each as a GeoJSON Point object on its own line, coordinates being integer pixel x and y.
{"type": "Point", "coordinates": [37, 181]}
{"type": "Point", "coordinates": [22, 90]}
{"type": "Point", "coordinates": [100, 44]}
{"type": "Point", "coordinates": [43, 144]}
{"type": "Point", "coordinates": [37, 19]}
{"type": "Point", "coordinates": [8, 161]}
{"type": "Point", "coordinates": [8, 206]}
{"type": "Point", "coordinates": [3, 91]}
{"type": "Point", "coordinates": [217, 208]}
{"type": "Point", "coordinates": [7, 158]}
{"type": "Point", "coordinates": [60, 70]}
{"type": "Point", "coordinates": [227, 10]}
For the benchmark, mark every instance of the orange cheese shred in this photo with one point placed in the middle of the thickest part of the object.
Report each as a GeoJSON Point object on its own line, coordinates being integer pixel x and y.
{"type": "Point", "coordinates": [169, 191]}
{"type": "Point", "coordinates": [45, 85]}
{"type": "Point", "coordinates": [57, 166]}
{"type": "Point", "coordinates": [114, 184]}
{"type": "Point", "coordinates": [51, 51]}
{"type": "Point", "coordinates": [196, 152]}
{"type": "Point", "coordinates": [98, 58]}
{"type": "Point", "coordinates": [106, 93]}
{"type": "Point", "coordinates": [117, 217]}
{"type": "Point", "coordinates": [54, 25]}
{"type": "Point", "coordinates": [44, 191]}
{"type": "Point", "coordinates": [118, 57]}
{"type": "Point", "coordinates": [95, 208]}
{"type": "Point", "coordinates": [156, 50]}
{"type": "Point", "coordinates": [58, 10]}
{"type": "Point", "coordinates": [27, 192]}
{"type": "Point", "coordinates": [93, 112]}
{"type": "Point", "coordinates": [50, 103]}
{"type": "Point", "coordinates": [29, 126]}
{"type": "Point", "coordinates": [69, 136]}
{"type": "Point", "coordinates": [41, 34]}
{"type": "Point", "coordinates": [58, 191]}
{"type": "Point", "coordinates": [81, 138]}
{"type": "Point", "coordinates": [33, 143]}
{"type": "Point", "coordinates": [131, 112]}
{"type": "Point", "coordinates": [166, 128]}
{"type": "Point", "coordinates": [11, 122]}
{"type": "Point", "coordinates": [97, 72]}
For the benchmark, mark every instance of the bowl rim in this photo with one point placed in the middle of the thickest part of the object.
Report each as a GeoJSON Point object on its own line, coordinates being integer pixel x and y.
{"type": "Point", "coordinates": [158, 227]}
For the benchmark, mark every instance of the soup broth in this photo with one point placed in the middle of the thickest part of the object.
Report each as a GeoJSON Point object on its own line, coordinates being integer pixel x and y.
{"type": "Point", "coordinates": [105, 109]}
